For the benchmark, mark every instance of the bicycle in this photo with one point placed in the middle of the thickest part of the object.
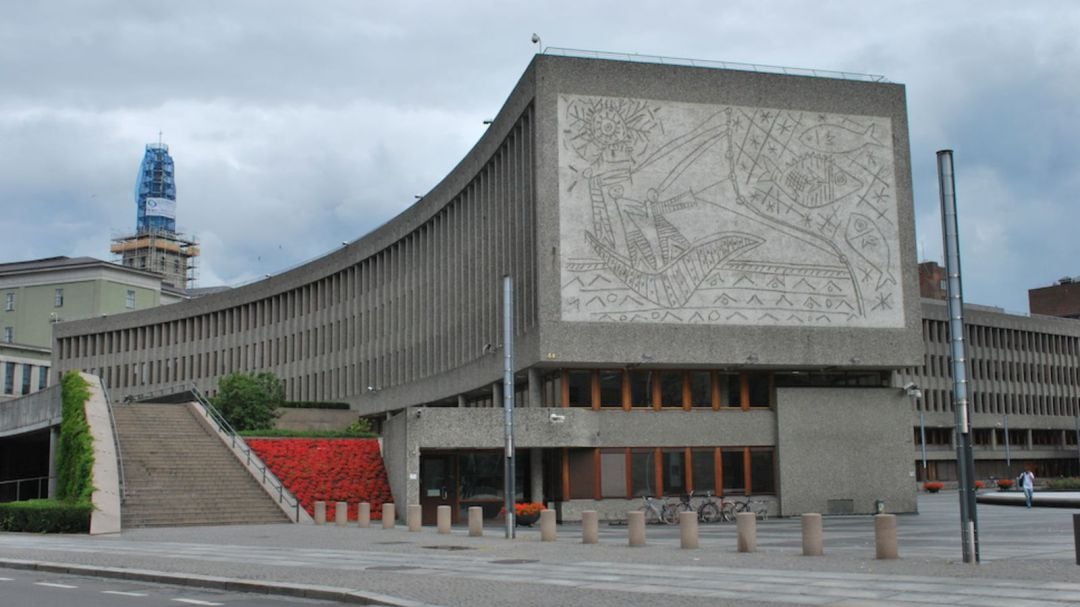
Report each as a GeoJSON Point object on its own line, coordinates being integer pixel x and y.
{"type": "Point", "coordinates": [653, 509]}
{"type": "Point", "coordinates": [759, 508]}
{"type": "Point", "coordinates": [672, 509]}
{"type": "Point", "coordinates": [711, 510]}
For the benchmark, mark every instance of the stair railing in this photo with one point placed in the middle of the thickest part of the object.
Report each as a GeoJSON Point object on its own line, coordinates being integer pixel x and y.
{"type": "Point", "coordinates": [284, 496]}
{"type": "Point", "coordinates": [116, 442]}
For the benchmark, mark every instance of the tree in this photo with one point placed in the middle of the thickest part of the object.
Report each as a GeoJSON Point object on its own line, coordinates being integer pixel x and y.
{"type": "Point", "coordinates": [249, 401]}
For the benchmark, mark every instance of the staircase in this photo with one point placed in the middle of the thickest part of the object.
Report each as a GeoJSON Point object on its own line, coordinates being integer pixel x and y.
{"type": "Point", "coordinates": [178, 473]}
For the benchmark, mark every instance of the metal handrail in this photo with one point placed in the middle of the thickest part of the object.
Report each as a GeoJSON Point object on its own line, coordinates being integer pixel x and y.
{"type": "Point", "coordinates": [19, 481]}
{"type": "Point", "coordinates": [116, 443]}
{"type": "Point", "coordinates": [224, 427]}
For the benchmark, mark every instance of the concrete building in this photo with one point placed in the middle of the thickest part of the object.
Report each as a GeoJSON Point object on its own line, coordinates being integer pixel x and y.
{"type": "Point", "coordinates": [714, 279]}
{"type": "Point", "coordinates": [39, 293]}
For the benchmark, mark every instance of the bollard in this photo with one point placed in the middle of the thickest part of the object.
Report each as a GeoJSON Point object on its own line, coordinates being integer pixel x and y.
{"type": "Point", "coordinates": [442, 516]}
{"type": "Point", "coordinates": [885, 536]}
{"type": "Point", "coordinates": [413, 517]}
{"type": "Point", "coordinates": [388, 516]}
{"type": "Point", "coordinates": [320, 513]}
{"type": "Point", "coordinates": [341, 513]}
{"type": "Point", "coordinates": [363, 515]}
{"type": "Point", "coordinates": [547, 525]}
{"type": "Point", "coordinates": [476, 521]}
{"type": "Point", "coordinates": [590, 527]}
{"type": "Point", "coordinates": [688, 530]}
{"type": "Point", "coordinates": [746, 528]}
{"type": "Point", "coordinates": [812, 535]}
{"type": "Point", "coordinates": [635, 524]}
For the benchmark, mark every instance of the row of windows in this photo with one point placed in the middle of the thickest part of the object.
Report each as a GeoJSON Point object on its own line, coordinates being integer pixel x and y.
{"type": "Point", "coordinates": [623, 389]}
{"type": "Point", "coordinates": [405, 301]}
{"type": "Point", "coordinates": [635, 472]}
{"type": "Point", "coordinates": [25, 379]}
{"type": "Point", "coordinates": [997, 403]}
{"type": "Point", "coordinates": [989, 437]}
{"type": "Point", "coordinates": [58, 299]}
{"type": "Point", "coordinates": [936, 365]}
{"type": "Point", "coordinates": [937, 331]}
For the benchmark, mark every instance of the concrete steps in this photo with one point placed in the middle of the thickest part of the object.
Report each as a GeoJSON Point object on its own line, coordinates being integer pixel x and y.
{"type": "Point", "coordinates": [178, 473]}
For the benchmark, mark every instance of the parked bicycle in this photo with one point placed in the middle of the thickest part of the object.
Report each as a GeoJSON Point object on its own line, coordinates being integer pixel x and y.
{"type": "Point", "coordinates": [653, 509]}
{"type": "Point", "coordinates": [734, 506]}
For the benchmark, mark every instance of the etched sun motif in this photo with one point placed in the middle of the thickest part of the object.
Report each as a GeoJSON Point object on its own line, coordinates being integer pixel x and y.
{"type": "Point", "coordinates": [610, 130]}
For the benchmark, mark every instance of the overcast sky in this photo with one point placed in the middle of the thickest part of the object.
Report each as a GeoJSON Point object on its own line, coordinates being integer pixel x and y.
{"type": "Point", "coordinates": [298, 125]}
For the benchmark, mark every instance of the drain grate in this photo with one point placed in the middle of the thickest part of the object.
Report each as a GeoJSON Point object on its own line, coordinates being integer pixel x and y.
{"type": "Point", "coordinates": [515, 562]}
{"type": "Point", "coordinates": [390, 568]}
{"type": "Point", "coordinates": [391, 543]}
{"type": "Point", "coordinates": [451, 548]}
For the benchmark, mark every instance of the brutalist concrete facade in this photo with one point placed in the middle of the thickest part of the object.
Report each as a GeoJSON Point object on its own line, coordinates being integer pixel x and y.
{"type": "Point", "coordinates": [654, 218]}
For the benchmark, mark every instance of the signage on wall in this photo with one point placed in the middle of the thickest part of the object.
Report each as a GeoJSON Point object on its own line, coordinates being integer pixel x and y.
{"type": "Point", "coordinates": [161, 207]}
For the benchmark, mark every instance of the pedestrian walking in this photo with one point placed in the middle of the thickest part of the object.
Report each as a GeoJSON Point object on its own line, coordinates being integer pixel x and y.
{"type": "Point", "coordinates": [1026, 481]}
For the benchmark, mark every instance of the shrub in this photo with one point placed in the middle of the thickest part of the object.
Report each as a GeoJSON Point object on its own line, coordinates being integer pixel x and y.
{"type": "Point", "coordinates": [248, 401]}
{"type": "Point", "coordinates": [75, 457]}
{"type": "Point", "coordinates": [1005, 483]}
{"type": "Point", "coordinates": [46, 516]}
{"type": "Point", "coordinates": [1063, 484]}
{"type": "Point", "coordinates": [933, 486]}
{"type": "Point", "coordinates": [980, 484]}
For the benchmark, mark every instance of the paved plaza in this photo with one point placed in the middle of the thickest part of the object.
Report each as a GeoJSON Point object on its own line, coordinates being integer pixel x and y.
{"type": "Point", "coordinates": [1028, 559]}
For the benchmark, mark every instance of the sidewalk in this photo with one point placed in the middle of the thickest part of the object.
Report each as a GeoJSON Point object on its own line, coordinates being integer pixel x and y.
{"type": "Point", "coordinates": [1028, 560]}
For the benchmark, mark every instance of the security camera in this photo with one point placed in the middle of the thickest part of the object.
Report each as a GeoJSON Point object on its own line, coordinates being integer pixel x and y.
{"type": "Point", "coordinates": [419, 413]}
{"type": "Point", "coordinates": [556, 418]}
{"type": "Point", "coordinates": [535, 38]}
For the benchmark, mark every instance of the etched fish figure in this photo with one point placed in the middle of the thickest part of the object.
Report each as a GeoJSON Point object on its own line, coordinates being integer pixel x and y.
{"type": "Point", "coordinates": [838, 139]}
{"type": "Point", "coordinates": [814, 180]}
{"type": "Point", "coordinates": [869, 243]}
{"type": "Point", "coordinates": [672, 285]}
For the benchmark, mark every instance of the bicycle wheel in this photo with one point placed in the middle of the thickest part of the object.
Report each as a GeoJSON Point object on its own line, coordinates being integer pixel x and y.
{"type": "Point", "coordinates": [709, 513]}
{"type": "Point", "coordinates": [728, 512]}
{"type": "Point", "coordinates": [671, 513]}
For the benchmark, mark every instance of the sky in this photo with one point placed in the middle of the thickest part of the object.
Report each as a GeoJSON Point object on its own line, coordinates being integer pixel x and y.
{"type": "Point", "coordinates": [296, 126]}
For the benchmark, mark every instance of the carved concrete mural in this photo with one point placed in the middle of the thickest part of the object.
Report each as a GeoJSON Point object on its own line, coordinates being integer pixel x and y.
{"type": "Point", "coordinates": [711, 214]}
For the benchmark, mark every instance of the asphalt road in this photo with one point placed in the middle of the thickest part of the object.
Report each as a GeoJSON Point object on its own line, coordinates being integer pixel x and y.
{"type": "Point", "coordinates": [20, 588]}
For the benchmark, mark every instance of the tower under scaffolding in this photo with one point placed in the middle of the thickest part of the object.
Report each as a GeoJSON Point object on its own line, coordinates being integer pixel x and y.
{"type": "Point", "coordinates": [155, 245]}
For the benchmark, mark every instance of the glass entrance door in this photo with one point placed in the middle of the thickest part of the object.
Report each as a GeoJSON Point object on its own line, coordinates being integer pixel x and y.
{"type": "Point", "coordinates": [438, 486]}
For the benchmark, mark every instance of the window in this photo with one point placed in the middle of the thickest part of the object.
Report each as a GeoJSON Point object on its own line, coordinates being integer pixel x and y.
{"type": "Point", "coordinates": [643, 473]}
{"type": "Point", "coordinates": [9, 378]}
{"type": "Point", "coordinates": [43, 377]}
{"type": "Point", "coordinates": [734, 471]}
{"type": "Point", "coordinates": [671, 389]}
{"type": "Point", "coordinates": [612, 474]}
{"type": "Point", "coordinates": [9, 335]}
{"type": "Point", "coordinates": [58, 298]}
{"type": "Point", "coordinates": [703, 465]}
{"type": "Point", "coordinates": [9, 302]}
{"type": "Point", "coordinates": [611, 389]}
{"type": "Point", "coordinates": [761, 471]}
{"type": "Point", "coordinates": [129, 299]}
{"type": "Point", "coordinates": [579, 388]}
{"type": "Point", "coordinates": [674, 470]}
{"type": "Point", "coordinates": [641, 388]}
{"type": "Point", "coordinates": [28, 371]}
{"type": "Point", "coordinates": [700, 389]}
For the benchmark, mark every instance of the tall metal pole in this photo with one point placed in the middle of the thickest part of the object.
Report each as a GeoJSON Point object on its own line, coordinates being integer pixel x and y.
{"type": "Point", "coordinates": [965, 466]}
{"type": "Point", "coordinates": [508, 402]}
{"type": "Point", "coordinates": [1008, 452]}
{"type": "Point", "coordinates": [922, 440]}
{"type": "Point", "coordinates": [1078, 439]}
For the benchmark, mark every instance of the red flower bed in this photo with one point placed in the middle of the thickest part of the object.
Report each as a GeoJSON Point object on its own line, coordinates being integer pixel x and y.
{"type": "Point", "coordinates": [328, 469]}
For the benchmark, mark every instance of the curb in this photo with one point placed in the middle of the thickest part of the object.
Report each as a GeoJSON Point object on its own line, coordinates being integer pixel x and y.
{"type": "Point", "coordinates": [310, 591]}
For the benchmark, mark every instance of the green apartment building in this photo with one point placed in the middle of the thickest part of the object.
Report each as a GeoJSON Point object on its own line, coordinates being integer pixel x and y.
{"type": "Point", "coordinates": [34, 295]}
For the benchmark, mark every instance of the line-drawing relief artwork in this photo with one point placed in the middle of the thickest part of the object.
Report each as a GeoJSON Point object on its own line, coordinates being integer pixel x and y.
{"type": "Point", "coordinates": [713, 214]}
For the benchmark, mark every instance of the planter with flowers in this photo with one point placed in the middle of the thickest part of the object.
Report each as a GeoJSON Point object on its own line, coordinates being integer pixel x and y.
{"type": "Point", "coordinates": [527, 513]}
{"type": "Point", "coordinates": [933, 486]}
{"type": "Point", "coordinates": [1004, 484]}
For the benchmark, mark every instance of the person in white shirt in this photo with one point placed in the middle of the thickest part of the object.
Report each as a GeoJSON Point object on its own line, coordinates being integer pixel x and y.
{"type": "Point", "coordinates": [1027, 483]}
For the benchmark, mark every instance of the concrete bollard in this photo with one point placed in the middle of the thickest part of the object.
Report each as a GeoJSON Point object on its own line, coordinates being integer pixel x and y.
{"type": "Point", "coordinates": [811, 534]}
{"type": "Point", "coordinates": [363, 515]}
{"type": "Point", "coordinates": [476, 521]}
{"type": "Point", "coordinates": [885, 536]}
{"type": "Point", "coordinates": [688, 530]}
{"type": "Point", "coordinates": [341, 513]}
{"type": "Point", "coordinates": [590, 527]}
{"type": "Point", "coordinates": [635, 524]}
{"type": "Point", "coordinates": [320, 513]}
{"type": "Point", "coordinates": [442, 516]}
{"type": "Point", "coordinates": [413, 517]}
{"type": "Point", "coordinates": [547, 525]}
{"type": "Point", "coordinates": [746, 528]}
{"type": "Point", "coordinates": [388, 516]}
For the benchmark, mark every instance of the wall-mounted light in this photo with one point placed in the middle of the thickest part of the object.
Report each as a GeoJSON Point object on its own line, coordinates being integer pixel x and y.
{"type": "Point", "coordinates": [556, 418]}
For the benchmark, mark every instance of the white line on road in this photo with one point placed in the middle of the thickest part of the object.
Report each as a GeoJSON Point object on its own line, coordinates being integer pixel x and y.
{"type": "Point", "coordinates": [52, 585]}
{"type": "Point", "coordinates": [7, 579]}
{"type": "Point", "coordinates": [196, 602]}
{"type": "Point", "coordinates": [121, 593]}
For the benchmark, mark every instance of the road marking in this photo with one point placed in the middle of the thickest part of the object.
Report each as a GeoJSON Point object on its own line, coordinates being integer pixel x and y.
{"type": "Point", "coordinates": [7, 579]}
{"type": "Point", "coordinates": [52, 585]}
{"type": "Point", "coordinates": [196, 602]}
{"type": "Point", "coordinates": [124, 593]}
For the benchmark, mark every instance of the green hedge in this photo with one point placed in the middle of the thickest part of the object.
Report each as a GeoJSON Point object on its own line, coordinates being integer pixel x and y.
{"type": "Point", "coordinates": [75, 457]}
{"type": "Point", "coordinates": [1063, 484]}
{"type": "Point", "coordinates": [309, 404]}
{"type": "Point", "coordinates": [46, 516]}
